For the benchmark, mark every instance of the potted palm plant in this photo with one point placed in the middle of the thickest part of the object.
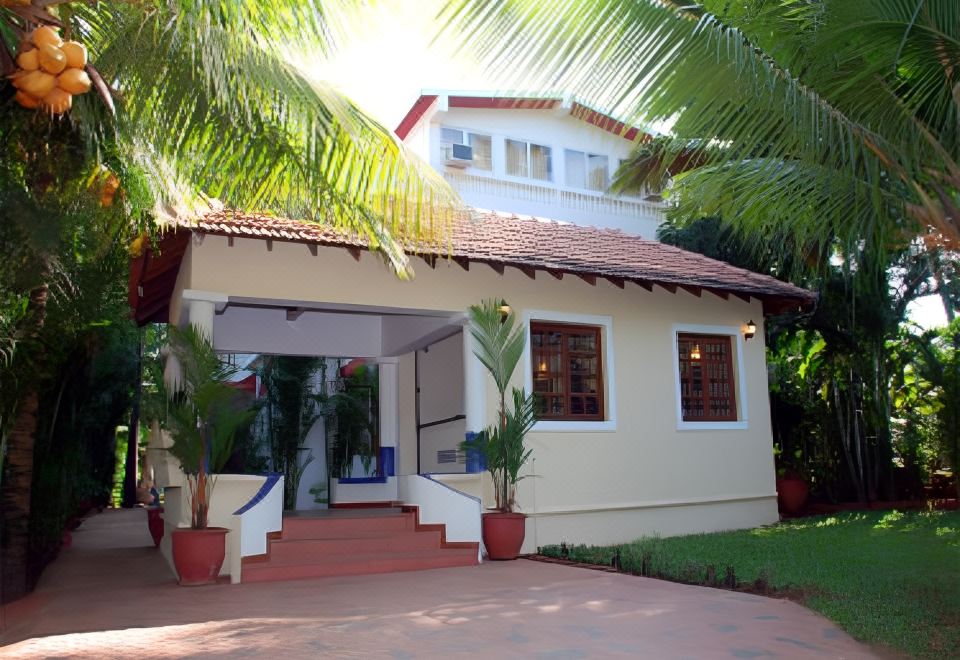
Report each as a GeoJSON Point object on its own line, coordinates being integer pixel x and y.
{"type": "Point", "coordinates": [203, 419]}
{"type": "Point", "coordinates": [499, 346]}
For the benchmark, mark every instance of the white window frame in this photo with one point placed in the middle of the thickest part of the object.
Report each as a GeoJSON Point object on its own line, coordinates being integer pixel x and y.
{"type": "Point", "coordinates": [552, 181]}
{"type": "Point", "coordinates": [605, 323]}
{"type": "Point", "coordinates": [467, 132]}
{"type": "Point", "coordinates": [739, 376]}
{"type": "Point", "coordinates": [586, 163]}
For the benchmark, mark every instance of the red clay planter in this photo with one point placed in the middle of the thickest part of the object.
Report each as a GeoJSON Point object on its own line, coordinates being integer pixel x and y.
{"type": "Point", "coordinates": [155, 524]}
{"type": "Point", "coordinates": [503, 534]}
{"type": "Point", "coordinates": [198, 554]}
{"type": "Point", "coordinates": [792, 494]}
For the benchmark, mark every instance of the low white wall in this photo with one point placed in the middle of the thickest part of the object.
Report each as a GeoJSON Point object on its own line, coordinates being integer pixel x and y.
{"type": "Point", "coordinates": [230, 493]}
{"type": "Point", "coordinates": [315, 472]}
{"type": "Point", "coordinates": [622, 525]}
{"type": "Point", "coordinates": [471, 484]}
{"type": "Point", "coordinates": [386, 492]}
{"type": "Point", "coordinates": [252, 526]}
{"type": "Point", "coordinates": [440, 503]}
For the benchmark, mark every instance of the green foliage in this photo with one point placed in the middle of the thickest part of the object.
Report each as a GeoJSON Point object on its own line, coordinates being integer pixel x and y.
{"type": "Point", "coordinates": [887, 578]}
{"type": "Point", "coordinates": [210, 105]}
{"type": "Point", "coordinates": [290, 409]}
{"type": "Point", "coordinates": [832, 120]}
{"type": "Point", "coordinates": [502, 447]}
{"type": "Point", "coordinates": [499, 347]}
{"type": "Point", "coordinates": [352, 419]}
{"type": "Point", "coordinates": [203, 417]}
{"type": "Point", "coordinates": [499, 341]}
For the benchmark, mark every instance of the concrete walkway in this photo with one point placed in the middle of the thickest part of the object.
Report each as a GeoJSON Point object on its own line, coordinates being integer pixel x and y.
{"type": "Point", "coordinates": [111, 595]}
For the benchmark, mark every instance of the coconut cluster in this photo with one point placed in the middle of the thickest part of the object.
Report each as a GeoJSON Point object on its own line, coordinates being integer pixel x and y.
{"type": "Point", "coordinates": [50, 71]}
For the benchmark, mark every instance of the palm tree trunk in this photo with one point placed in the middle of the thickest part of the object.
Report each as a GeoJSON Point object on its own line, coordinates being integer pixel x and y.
{"type": "Point", "coordinates": [18, 481]}
{"type": "Point", "coordinates": [133, 437]}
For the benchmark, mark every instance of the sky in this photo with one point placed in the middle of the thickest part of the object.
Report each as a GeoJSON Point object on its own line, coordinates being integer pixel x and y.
{"type": "Point", "coordinates": [390, 53]}
{"type": "Point", "coordinates": [385, 57]}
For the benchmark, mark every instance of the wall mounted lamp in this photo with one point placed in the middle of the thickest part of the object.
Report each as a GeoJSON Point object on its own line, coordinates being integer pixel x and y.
{"type": "Point", "coordinates": [695, 352]}
{"type": "Point", "coordinates": [504, 310]}
{"type": "Point", "coordinates": [750, 330]}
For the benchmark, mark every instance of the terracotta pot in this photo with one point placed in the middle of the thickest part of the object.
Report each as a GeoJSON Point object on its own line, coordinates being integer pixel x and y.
{"type": "Point", "coordinates": [792, 494]}
{"type": "Point", "coordinates": [503, 534]}
{"type": "Point", "coordinates": [155, 523]}
{"type": "Point", "coordinates": [198, 554]}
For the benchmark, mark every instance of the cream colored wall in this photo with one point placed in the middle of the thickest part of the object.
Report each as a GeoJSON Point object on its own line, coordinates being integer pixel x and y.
{"type": "Point", "coordinates": [645, 464]}
{"type": "Point", "coordinates": [407, 425]}
{"type": "Point", "coordinates": [183, 282]}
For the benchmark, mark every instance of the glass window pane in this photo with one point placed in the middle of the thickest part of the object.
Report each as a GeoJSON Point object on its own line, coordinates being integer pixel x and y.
{"type": "Point", "coordinates": [575, 168]}
{"type": "Point", "coordinates": [597, 172]}
{"type": "Point", "coordinates": [541, 165]}
{"type": "Point", "coordinates": [482, 151]}
{"type": "Point", "coordinates": [516, 158]}
{"type": "Point", "coordinates": [451, 135]}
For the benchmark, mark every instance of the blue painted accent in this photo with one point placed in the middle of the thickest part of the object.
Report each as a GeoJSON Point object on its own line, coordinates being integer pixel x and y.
{"type": "Point", "coordinates": [387, 468]}
{"type": "Point", "coordinates": [475, 460]}
{"type": "Point", "coordinates": [362, 480]}
{"type": "Point", "coordinates": [272, 480]}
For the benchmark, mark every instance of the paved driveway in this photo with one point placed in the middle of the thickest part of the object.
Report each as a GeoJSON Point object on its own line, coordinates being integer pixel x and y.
{"type": "Point", "coordinates": [111, 595]}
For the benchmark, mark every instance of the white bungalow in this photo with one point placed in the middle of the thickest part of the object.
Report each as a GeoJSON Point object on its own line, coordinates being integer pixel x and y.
{"type": "Point", "coordinates": [654, 414]}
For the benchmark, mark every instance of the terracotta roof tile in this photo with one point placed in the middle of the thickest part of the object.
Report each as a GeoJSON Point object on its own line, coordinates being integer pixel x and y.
{"type": "Point", "coordinates": [513, 240]}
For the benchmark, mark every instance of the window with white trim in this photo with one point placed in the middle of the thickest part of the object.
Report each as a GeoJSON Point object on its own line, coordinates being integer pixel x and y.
{"type": "Point", "coordinates": [707, 387]}
{"type": "Point", "coordinates": [567, 366]}
{"type": "Point", "coordinates": [480, 147]}
{"type": "Point", "coordinates": [528, 160]}
{"type": "Point", "coordinates": [586, 170]}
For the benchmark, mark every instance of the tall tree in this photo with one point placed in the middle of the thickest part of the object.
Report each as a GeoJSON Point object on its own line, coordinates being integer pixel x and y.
{"type": "Point", "coordinates": [195, 106]}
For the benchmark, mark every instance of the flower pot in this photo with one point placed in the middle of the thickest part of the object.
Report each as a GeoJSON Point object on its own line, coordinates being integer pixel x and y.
{"type": "Point", "coordinates": [155, 523]}
{"type": "Point", "coordinates": [198, 554]}
{"type": "Point", "coordinates": [792, 494]}
{"type": "Point", "coordinates": [503, 534]}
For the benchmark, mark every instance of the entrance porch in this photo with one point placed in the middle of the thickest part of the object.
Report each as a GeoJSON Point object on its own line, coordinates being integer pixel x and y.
{"type": "Point", "coordinates": [430, 393]}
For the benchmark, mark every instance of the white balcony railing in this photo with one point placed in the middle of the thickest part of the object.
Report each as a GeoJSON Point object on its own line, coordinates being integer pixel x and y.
{"type": "Point", "coordinates": [468, 185]}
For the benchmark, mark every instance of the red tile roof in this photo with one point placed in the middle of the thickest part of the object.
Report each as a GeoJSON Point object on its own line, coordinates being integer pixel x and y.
{"type": "Point", "coordinates": [509, 102]}
{"type": "Point", "coordinates": [532, 244]}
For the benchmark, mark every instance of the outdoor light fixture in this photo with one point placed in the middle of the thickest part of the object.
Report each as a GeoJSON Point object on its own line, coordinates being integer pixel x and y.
{"type": "Point", "coordinates": [695, 352]}
{"type": "Point", "coordinates": [504, 310]}
{"type": "Point", "coordinates": [750, 330]}
{"type": "Point", "coordinates": [542, 367]}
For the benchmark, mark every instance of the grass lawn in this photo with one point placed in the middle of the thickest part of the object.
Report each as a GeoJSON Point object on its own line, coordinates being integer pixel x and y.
{"type": "Point", "coordinates": [887, 578]}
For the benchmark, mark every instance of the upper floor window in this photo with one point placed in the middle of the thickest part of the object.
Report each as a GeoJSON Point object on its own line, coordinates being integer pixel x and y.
{"type": "Point", "coordinates": [528, 160]}
{"type": "Point", "coordinates": [567, 371]}
{"type": "Point", "coordinates": [585, 170]}
{"type": "Point", "coordinates": [471, 149]}
{"type": "Point", "coordinates": [706, 378]}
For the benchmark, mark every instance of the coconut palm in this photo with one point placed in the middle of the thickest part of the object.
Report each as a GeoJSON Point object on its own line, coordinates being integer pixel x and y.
{"type": "Point", "coordinates": [833, 120]}
{"type": "Point", "coordinates": [198, 100]}
{"type": "Point", "coordinates": [194, 106]}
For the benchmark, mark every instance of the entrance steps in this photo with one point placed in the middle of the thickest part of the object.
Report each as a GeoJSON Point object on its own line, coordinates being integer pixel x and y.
{"type": "Point", "coordinates": [348, 541]}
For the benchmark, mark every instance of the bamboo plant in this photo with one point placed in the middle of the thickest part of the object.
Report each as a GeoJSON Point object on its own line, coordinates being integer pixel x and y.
{"type": "Point", "coordinates": [499, 346]}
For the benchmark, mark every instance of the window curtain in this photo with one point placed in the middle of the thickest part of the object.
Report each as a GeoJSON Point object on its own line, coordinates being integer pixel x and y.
{"type": "Point", "coordinates": [517, 158]}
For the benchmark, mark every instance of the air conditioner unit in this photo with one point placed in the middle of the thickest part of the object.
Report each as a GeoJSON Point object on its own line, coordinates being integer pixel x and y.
{"type": "Point", "coordinates": [460, 155]}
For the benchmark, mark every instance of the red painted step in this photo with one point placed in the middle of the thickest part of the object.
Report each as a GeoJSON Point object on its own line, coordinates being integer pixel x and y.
{"type": "Point", "coordinates": [361, 565]}
{"type": "Point", "coordinates": [356, 542]}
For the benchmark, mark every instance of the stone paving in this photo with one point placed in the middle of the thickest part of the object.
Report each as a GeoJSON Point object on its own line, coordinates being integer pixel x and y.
{"type": "Point", "coordinates": [111, 595]}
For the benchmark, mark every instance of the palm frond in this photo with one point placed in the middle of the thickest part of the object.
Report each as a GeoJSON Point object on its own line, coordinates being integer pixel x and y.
{"type": "Point", "coordinates": [863, 89]}
{"type": "Point", "coordinates": [499, 341]}
{"type": "Point", "coordinates": [209, 107]}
